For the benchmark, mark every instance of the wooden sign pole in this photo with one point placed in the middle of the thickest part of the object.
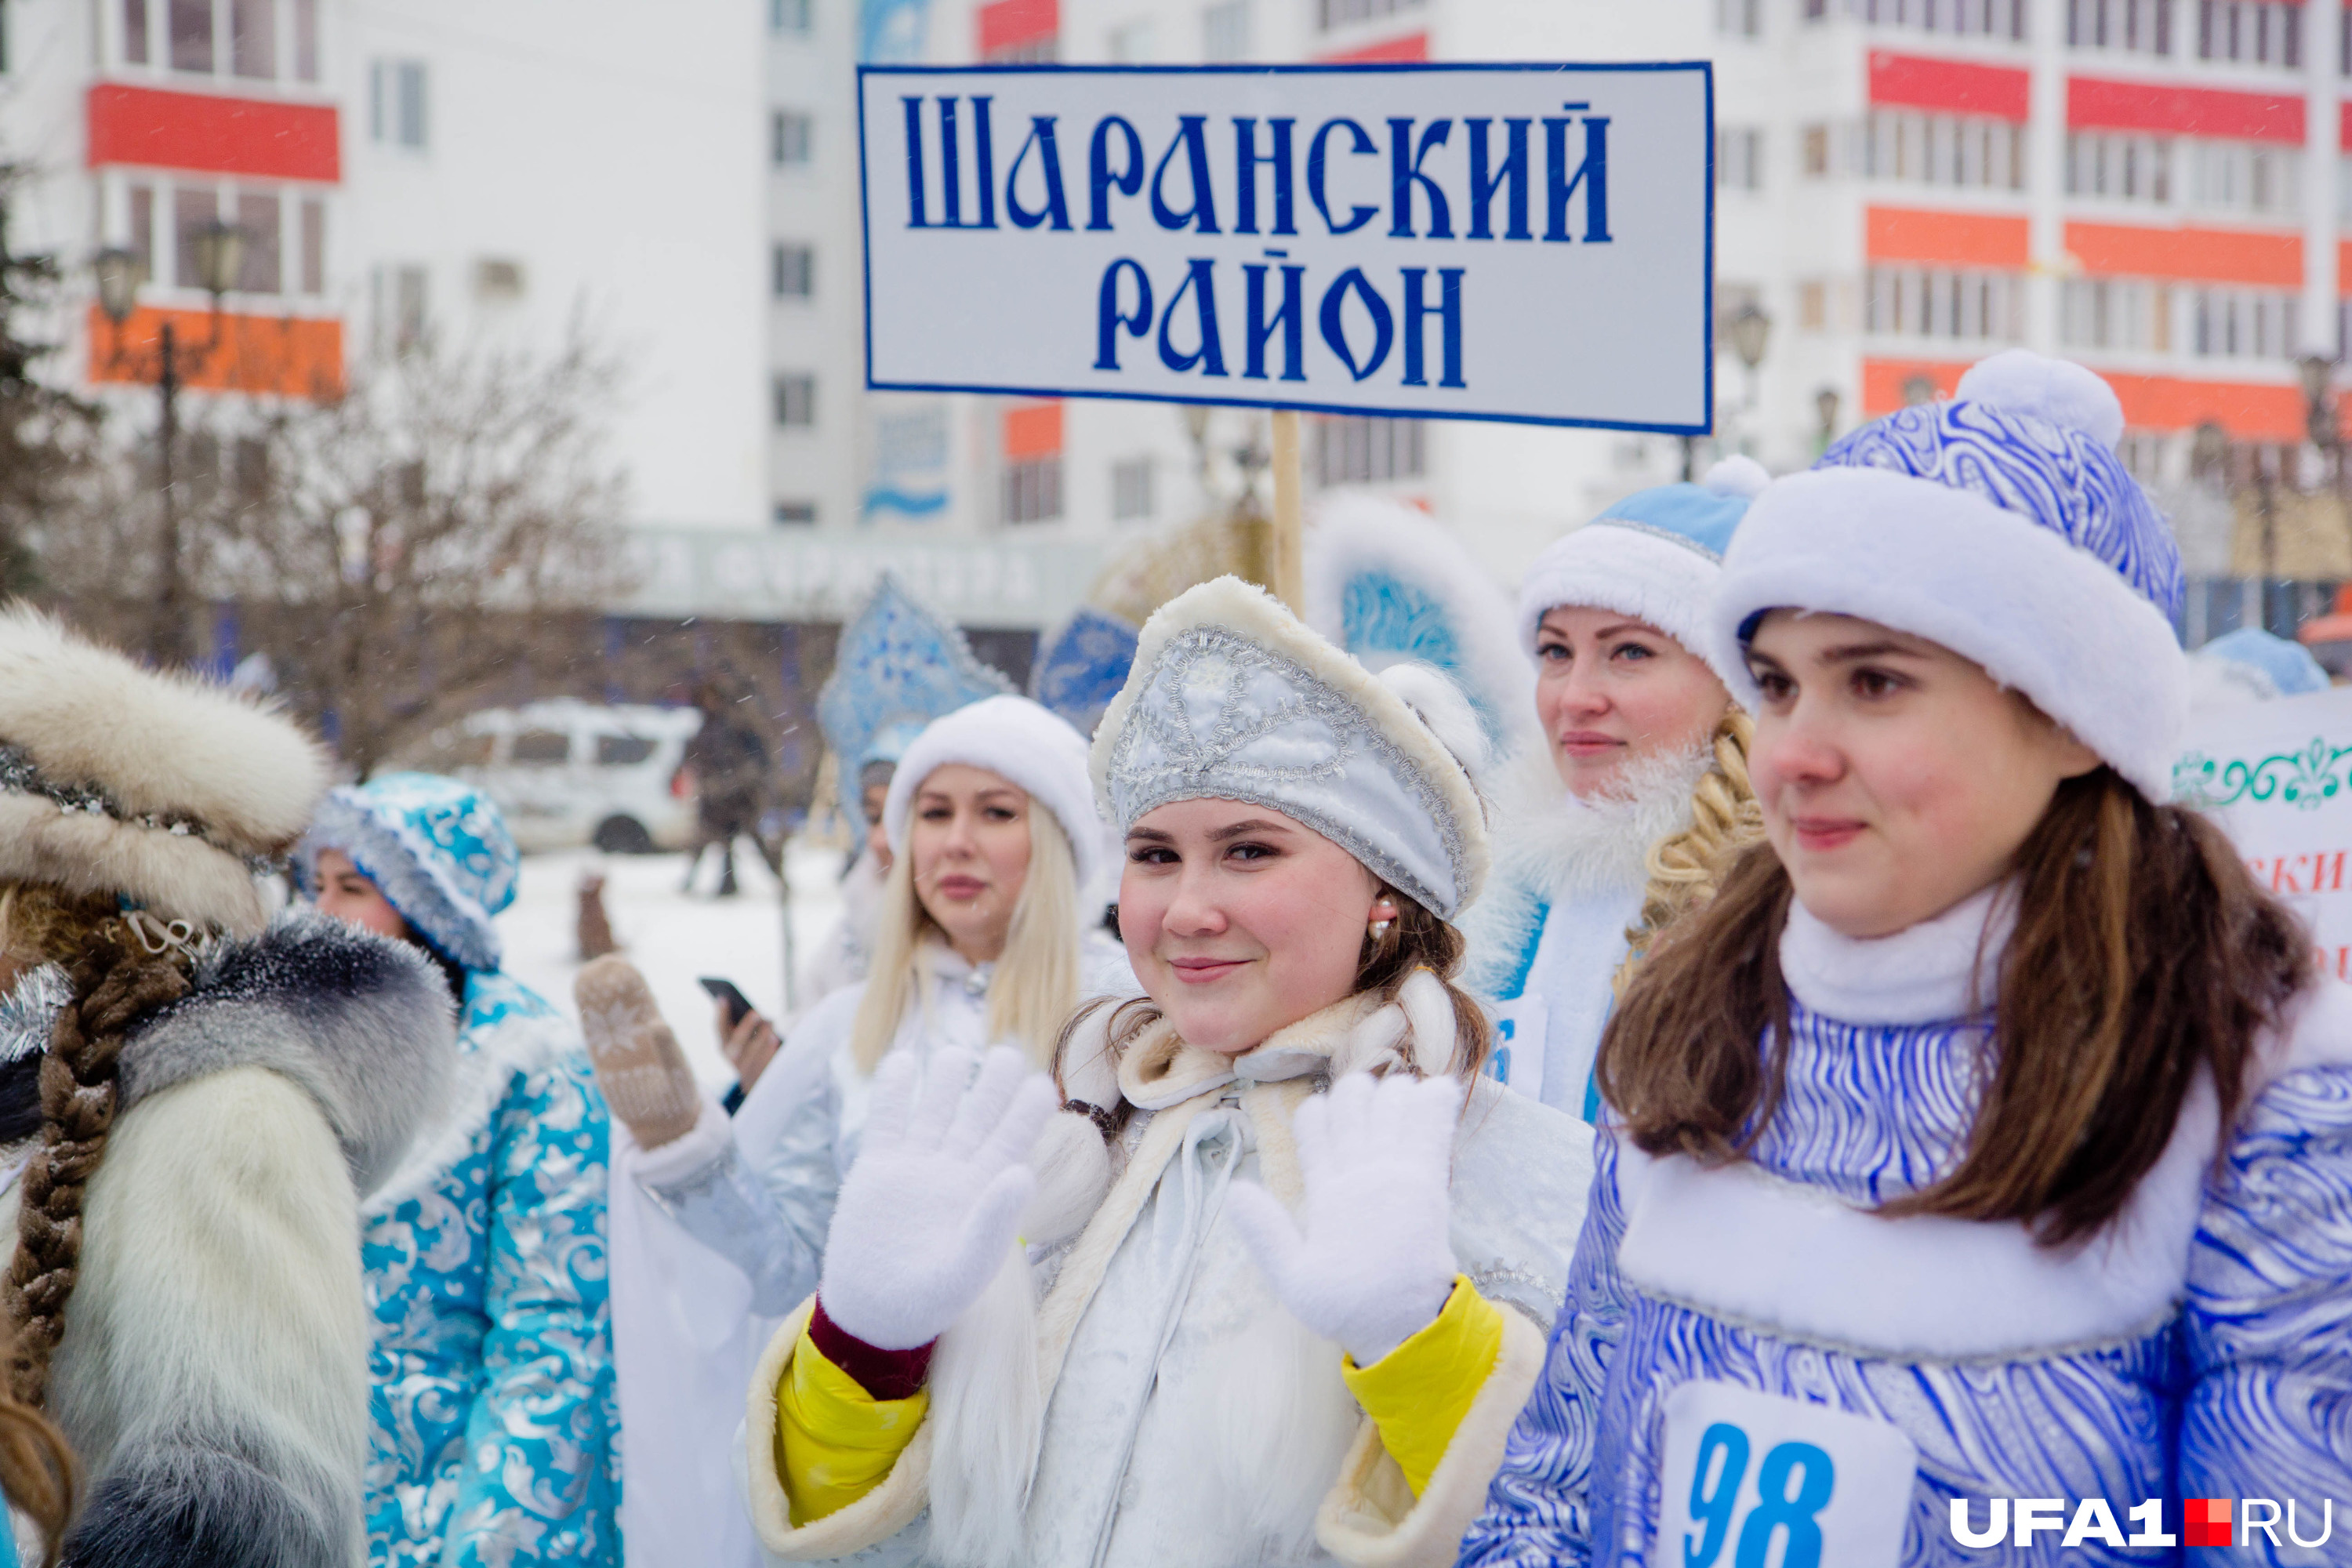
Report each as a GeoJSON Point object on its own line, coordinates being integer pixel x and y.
{"type": "Point", "coordinates": [1289, 549]}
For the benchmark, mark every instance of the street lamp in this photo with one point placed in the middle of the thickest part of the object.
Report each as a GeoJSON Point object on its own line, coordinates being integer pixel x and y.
{"type": "Point", "coordinates": [218, 252]}
{"type": "Point", "coordinates": [1825, 403]}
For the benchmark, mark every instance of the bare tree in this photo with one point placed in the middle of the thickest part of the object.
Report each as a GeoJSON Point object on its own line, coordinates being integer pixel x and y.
{"type": "Point", "coordinates": [49, 438]}
{"type": "Point", "coordinates": [402, 548]}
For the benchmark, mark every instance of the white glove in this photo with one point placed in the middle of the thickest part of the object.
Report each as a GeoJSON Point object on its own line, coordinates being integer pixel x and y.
{"type": "Point", "coordinates": [1375, 1266]}
{"type": "Point", "coordinates": [934, 1197]}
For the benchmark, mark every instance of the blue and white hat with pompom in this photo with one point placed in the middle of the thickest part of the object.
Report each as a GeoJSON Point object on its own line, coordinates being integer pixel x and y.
{"type": "Point", "coordinates": [437, 850]}
{"type": "Point", "coordinates": [1654, 555]}
{"type": "Point", "coordinates": [2001, 525]}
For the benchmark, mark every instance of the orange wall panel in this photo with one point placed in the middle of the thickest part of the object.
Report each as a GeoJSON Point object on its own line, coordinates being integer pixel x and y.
{"type": "Point", "coordinates": [212, 134]}
{"type": "Point", "coordinates": [1032, 430]}
{"type": "Point", "coordinates": [2250, 413]}
{"type": "Point", "coordinates": [1944, 238]}
{"type": "Point", "coordinates": [291, 356]}
{"type": "Point", "coordinates": [2195, 255]}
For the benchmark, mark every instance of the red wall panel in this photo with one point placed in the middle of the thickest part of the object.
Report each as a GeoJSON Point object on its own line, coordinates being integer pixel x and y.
{"type": "Point", "coordinates": [2095, 105]}
{"type": "Point", "coordinates": [215, 135]}
{"type": "Point", "coordinates": [1957, 86]}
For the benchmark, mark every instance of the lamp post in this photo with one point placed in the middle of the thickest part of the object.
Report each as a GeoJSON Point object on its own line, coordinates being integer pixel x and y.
{"type": "Point", "coordinates": [1825, 403]}
{"type": "Point", "coordinates": [1750, 333]}
{"type": "Point", "coordinates": [219, 256]}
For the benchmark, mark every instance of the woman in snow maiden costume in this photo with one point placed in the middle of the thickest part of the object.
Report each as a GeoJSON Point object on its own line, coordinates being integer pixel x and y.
{"type": "Point", "coordinates": [495, 1437]}
{"type": "Point", "coordinates": [1644, 755]}
{"type": "Point", "coordinates": [214, 1094]}
{"type": "Point", "coordinates": [1290, 1285]}
{"type": "Point", "coordinates": [1989, 1136]}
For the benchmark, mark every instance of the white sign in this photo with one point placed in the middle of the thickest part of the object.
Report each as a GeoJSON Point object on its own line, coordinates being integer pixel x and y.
{"type": "Point", "coordinates": [2277, 776]}
{"type": "Point", "coordinates": [1745, 1472]}
{"type": "Point", "coordinates": [1522, 242]}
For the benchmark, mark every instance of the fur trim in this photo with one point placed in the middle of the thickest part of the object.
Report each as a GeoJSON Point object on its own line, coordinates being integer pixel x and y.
{"type": "Point", "coordinates": [2042, 616]}
{"type": "Point", "coordinates": [1925, 974]}
{"type": "Point", "coordinates": [415, 879]}
{"type": "Point", "coordinates": [988, 1419]}
{"type": "Point", "coordinates": [1355, 533]}
{"type": "Point", "coordinates": [1612, 564]}
{"type": "Point", "coordinates": [213, 1374]}
{"type": "Point", "coordinates": [880, 1514]}
{"type": "Point", "coordinates": [178, 876]}
{"type": "Point", "coordinates": [487, 1061]}
{"type": "Point", "coordinates": [1567, 848]}
{"type": "Point", "coordinates": [174, 771]}
{"type": "Point", "coordinates": [1371, 1519]}
{"type": "Point", "coordinates": [1250, 612]}
{"type": "Point", "coordinates": [1026, 743]}
{"type": "Point", "coordinates": [1739, 1244]}
{"type": "Point", "coordinates": [1439, 704]}
{"type": "Point", "coordinates": [362, 1023]}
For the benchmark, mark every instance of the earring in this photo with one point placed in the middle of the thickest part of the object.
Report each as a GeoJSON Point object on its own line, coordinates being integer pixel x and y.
{"type": "Point", "coordinates": [1380, 928]}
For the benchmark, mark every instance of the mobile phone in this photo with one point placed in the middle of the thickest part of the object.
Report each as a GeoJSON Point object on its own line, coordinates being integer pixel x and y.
{"type": "Point", "coordinates": [738, 1004]}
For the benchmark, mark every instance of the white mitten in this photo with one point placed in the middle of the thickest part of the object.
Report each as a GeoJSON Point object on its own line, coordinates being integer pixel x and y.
{"type": "Point", "coordinates": [1374, 1267]}
{"type": "Point", "coordinates": [934, 1198]}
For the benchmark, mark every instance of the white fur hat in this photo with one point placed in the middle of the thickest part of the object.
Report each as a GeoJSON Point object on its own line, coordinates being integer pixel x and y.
{"type": "Point", "coordinates": [2001, 525]}
{"type": "Point", "coordinates": [1655, 556]}
{"type": "Point", "coordinates": [1026, 743]}
{"type": "Point", "coordinates": [161, 788]}
{"type": "Point", "coordinates": [1233, 698]}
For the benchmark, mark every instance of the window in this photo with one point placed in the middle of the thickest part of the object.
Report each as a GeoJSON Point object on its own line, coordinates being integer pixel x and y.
{"type": "Point", "coordinates": [2116, 313]}
{"type": "Point", "coordinates": [1131, 44]}
{"type": "Point", "coordinates": [134, 32]}
{"type": "Point", "coordinates": [540, 748]}
{"type": "Point", "coordinates": [314, 246]}
{"type": "Point", "coordinates": [1033, 489]}
{"type": "Point", "coordinates": [622, 751]}
{"type": "Point", "coordinates": [793, 135]}
{"type": "Point", "coordinates": [1812, 306]}
{"type": "Point", "coordinates": [795, 514]}
{"type": "Point", "coordinates": [1351, 449]}
{"type": "Point", "coordinates": [792, 271]}
{"type": "Point", "coordinates": [795, 400]}
{"type": "Point", "coordinates": [142, 227]}
{"type": "Point", "coordinates": [1915, 303]}
{"type": "Point", "coordinates": [1224, 32]}
{"type": "Point", "coordinates": [1816, 10]}
{"type": "Point", "coordinates": [1981, 18]}
{"type": "Point", "coordinates": [1739, 160]}
{"type": "Point", "coordinates": [2140, 27]}
{"type": "Point", "coordinates": [1816, 153]}
{"type": "Point", "coordinates": [1740, 18]}
{"type": "Point", "coordinates": [2124, 168]}
{"type": "Point", "coordinates": [1131, 489]}
{"type": "Point", "coordinates": [409, 322]}
{"type": "Point", "coordinates": [193, 210]}
{"type": "Point", "coordinates": [397, 92]}
{"type": "Point", "coordinates": [253, 38]}
{"type": "Point", "coordinates": [2251, 32]}
{"type": "Point", "coordinates": [2247, 324]}
{"type": "Point", "coordinates": [1964, 150]}
{"type": "Point", "coordinates": [2246, 178]}
{"type": "Point", "coordinates": [306, 40]}
{"type": "Point", "coordinates": [259, 272]}
{"type": "Point", "coordinates": [789, 16]}
{"type": "Point", "coordinates": [192, 35]}
{"type": "Point", "coordinates": [1331, 14]}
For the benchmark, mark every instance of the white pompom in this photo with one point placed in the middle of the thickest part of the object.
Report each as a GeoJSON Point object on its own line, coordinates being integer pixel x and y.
{"type": "Point", "coordinates": [1737, 475]}
{"type": "Point", "coordinates": [1432, 695]}
{"type": "Point", "coordinates": [2058, 390]}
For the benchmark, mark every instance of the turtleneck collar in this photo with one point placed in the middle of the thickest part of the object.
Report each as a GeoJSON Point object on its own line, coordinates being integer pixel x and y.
{"type": "Point", "coordinates": [1356, 1033]}
{"type": "Point", "coordinates": [1925, 974]}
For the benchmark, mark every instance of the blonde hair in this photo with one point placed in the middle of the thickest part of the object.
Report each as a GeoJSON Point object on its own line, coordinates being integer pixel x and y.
{"type": "Point", "coordinates": [1035, 985]}
{"type": "Point", "coordinates": [1686, 868]}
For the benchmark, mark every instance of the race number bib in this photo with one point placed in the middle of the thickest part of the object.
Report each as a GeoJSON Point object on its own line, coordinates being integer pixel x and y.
{"type": "Point", "coordinates": [1519, 1060]}
{"type": "Point", "coordinates": [1754, 1480]}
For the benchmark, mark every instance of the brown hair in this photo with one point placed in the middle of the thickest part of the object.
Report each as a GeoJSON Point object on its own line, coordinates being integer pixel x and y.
{"type": "Point", "coordinates": [1416, 939]}
{"type": "Point", "coordinates": [115, 979]}
{"type": "Point", "coordinates": [2143, 953]}
{"type": "Point", "coordinates": [1686, 868]}
{"type": "Point", "coordinates": [38, 1473]}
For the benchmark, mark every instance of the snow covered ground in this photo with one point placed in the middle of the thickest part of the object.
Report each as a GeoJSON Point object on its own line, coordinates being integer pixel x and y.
{"type": "Point", "coordinates": [672, 936]}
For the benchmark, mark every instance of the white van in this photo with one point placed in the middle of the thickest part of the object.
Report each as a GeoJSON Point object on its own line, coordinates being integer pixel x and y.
{"type": "Point", "coordinates": [567, 773]}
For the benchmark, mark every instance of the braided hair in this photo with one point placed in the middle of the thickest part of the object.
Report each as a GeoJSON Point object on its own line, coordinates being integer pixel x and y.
{"type": "Point", "coordinates": [115, 979]}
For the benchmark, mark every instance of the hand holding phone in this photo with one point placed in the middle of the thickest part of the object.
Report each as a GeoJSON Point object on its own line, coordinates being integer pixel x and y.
{"type": "Point", "coordinates": [738, 1006]}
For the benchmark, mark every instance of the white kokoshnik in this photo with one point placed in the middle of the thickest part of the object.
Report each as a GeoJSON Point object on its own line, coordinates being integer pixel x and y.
{"type": "Point", "coordinates": [1233, 699]}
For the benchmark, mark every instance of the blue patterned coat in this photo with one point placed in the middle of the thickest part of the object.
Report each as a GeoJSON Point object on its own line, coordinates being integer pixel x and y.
{"type": "Point", "coordinates": [496, 1435]}
{"type": "Point", "coordinates": [2202, 1348]}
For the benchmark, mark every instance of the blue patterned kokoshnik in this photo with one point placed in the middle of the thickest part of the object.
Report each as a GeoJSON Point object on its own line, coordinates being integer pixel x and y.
{"type": "Point", "coordinates": [1384, 618]}
{"type": "Point", "coordinates": [2063, 480]}
{"type": "Point", "coordinates": [897, 667]}
{"type": "Point", "coordinates": [1082, 668]}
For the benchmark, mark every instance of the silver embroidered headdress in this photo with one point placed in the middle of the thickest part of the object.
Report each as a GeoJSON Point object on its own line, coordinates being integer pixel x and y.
{"type": "Point", "coordinates": [1233, 698]}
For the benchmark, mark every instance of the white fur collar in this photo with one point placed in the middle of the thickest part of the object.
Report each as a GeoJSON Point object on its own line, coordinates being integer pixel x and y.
{"type": "Point", "coordinates": [1926, 975]}
{"type": "Point", "coordinates": [1571, 849]}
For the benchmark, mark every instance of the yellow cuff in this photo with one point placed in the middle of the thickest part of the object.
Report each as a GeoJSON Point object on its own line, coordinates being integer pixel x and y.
{"type": "Point", "coordinates": [835, 1442]}
{"type": "Point", "coordinates": [1418, 1394]}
